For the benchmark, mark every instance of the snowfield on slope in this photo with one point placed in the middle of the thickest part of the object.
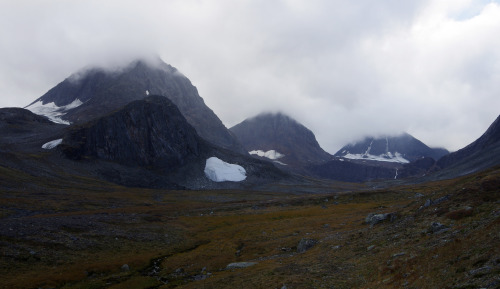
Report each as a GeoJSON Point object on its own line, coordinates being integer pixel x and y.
{"type": "Point", "coordinates": [388, 157]}
{"type": "Point", "coordinates": [218, 170]}
{"type": "Point", "coordinates": [270, 154]}
{"type": "Point", "coordinates": [52, 144]}
{"type": "Point", "coordinates": [52, 111]}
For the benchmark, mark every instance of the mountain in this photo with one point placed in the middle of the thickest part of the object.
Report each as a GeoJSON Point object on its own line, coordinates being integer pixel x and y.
{"type": "Point", "coordinates": [401, 149]}
{"type": "Point", "coordinates": [149, 143]}
{"type": "Point", "coordinates": [95, 92]}
{"type": "Point", "coordinates": [387, 157]}
{"type": "Point", "coordinates": [481, 154]}
{"type": "Point", "coordinates": [280, 138]}
{"type": "Point", "coordinates": [148, 132]}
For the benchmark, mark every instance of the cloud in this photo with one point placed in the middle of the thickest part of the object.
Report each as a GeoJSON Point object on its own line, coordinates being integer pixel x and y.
{"type": "Point", "coordinates": [343, 68]}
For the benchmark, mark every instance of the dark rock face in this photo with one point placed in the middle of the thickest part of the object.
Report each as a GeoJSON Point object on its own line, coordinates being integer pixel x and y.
{"type": "Point", "coordinates": [281, 133]}
{"type": "Point", "coordinates": [409, 147]}
{"type": "Point", "coordinates": [481, 154]}
{"type": "Point", "coordinates": [149, 132]}
{"type": "Point", "coordinates": [105, 91]}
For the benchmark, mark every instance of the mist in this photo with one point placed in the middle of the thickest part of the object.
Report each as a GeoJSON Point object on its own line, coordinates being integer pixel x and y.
{"type": "Point", "coordinates": [345, 70]}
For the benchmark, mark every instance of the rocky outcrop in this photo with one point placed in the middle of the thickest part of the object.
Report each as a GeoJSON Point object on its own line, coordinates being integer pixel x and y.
{"type": "Point", "coordinates": [150, 132]}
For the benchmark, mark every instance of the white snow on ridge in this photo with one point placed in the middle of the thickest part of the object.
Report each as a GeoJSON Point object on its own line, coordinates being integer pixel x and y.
{"type": "Point", "coordinates": [52, 111]}
{"type": "Point", "coordinates": [270, 154]}
{"type": "Point", "coordinates": [52, 144]}
{"type": "Point", "coordinates": [218, 170]}
{"type": "Point", "coordinates": [388, 157]}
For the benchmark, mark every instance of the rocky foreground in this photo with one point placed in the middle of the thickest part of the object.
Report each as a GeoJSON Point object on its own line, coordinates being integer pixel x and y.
{"type": "Point", "coordinates": [436, 235]}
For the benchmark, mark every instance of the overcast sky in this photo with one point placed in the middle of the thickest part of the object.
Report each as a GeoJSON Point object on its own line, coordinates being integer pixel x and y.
{"type": "Point", "coordinates": [344, 69]}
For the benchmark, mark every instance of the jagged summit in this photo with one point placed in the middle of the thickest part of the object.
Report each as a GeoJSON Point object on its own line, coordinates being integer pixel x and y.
{"type": "Point", "coordinates": [279, 137]}
{"type": "Point", "coordinates": [402, 148]}
{"type": "Point", "coordinates": [94, 92]}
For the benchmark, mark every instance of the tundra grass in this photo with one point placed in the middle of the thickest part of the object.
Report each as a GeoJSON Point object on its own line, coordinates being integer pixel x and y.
{"type": "Point", "coordinates": [186, 239]}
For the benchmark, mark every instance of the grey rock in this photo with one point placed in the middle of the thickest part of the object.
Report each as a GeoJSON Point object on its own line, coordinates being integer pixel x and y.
{"type": "Point", "coordinates": [199, 277]}
{"type": "Point", "coordinates": [370, 248]}
{"type": "Point", "coordinates": [125, 268]}
{"type": "Point", "coordinates": [437, 227]}
{"type": "Point", "coordinates": [481, 271]}
{"type": "Point", "coordinates": [306, 244]}
{"type": "Point", "coordinates": [373, 219]}
{"type": "Point", "coordinates": [239, 265]}
{"type": "Point", "coordinates": [440, 200]}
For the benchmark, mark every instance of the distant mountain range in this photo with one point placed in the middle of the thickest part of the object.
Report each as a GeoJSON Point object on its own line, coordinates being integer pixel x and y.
{"type": "Point", "coordinates": [146, 125]}
{"type": "Point", "coordinates": [402, 148]}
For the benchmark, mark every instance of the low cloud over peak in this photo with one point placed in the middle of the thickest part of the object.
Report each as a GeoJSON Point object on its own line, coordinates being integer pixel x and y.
{"type": "Point", "coordinates": [344, 69]}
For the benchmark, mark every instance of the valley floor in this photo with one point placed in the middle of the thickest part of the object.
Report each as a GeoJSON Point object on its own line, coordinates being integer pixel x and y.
{"type": "Point", "coordinates": [87, 234]}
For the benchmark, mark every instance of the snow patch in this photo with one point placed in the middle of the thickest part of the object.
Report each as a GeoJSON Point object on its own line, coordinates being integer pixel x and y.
{"type": "Point", "coordinates": [52, 144]}
{"type": "Point", "coordinates": [270, 154]}
{"type": "Point", "coordinates": [147, 92]}
{"type": "Point", "coordinates": [387, 157]}
{"type": "Point", "coordinates": [280, 163]}
{"type": "Point", "coordinates": [218, 170]}
{"type": "Point", "coordinates": [52, 111]}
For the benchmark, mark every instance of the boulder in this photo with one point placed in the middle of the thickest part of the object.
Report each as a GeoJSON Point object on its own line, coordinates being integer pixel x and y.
{"type": "Point", "coordinates": [437, 227]}
{"type": "Point", "coordinates": [373, 219]}
{"type": "Point", "coordinates": [306, 244]}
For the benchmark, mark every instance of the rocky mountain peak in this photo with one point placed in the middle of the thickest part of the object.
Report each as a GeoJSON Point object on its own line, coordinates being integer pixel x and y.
{"type": "Point", "coordinates": [95, 92]}
{"type": "Point", "coordinates": [402, 148]}
{"type": "Point", "coordinates": [279, 137]}
{"type": "Point", "coordinates": [148, 132]}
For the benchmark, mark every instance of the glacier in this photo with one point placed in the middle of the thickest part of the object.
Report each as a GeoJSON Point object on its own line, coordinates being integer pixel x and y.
{"type": "Point", "coordinates": [218, 170]}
